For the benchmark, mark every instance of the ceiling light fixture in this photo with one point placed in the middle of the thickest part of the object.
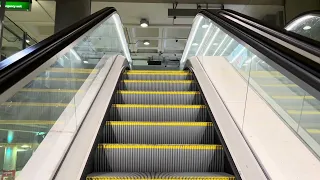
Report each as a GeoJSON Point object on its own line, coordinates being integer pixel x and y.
{"type": "Point", "coordinates": [195, 44]}
{"type": "Point", "coordinates": [25, 146]}
{"type": "Point", "coordinates": [205, 26]}
{"type": "Point", "coordinates": [144, 23]}
{"type": "Point", "coordinates": [86, 62]}
{"type": "Point", "coordinates": [27, 40]}
{"type": "Point", "coordinates": [307, 27]}
{"type": "Point", "coordinates": [146, 42]}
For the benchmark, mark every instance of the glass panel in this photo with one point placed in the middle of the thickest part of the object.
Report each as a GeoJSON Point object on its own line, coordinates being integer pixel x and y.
{"type": "Point", "coordinates": [254, 82]}
{"type": "Point", "coordinates": [307, 25]}
{"type": "Point", "coordinates": [11, 43]}
{"type": "Point", "coordinates": [52, 98]}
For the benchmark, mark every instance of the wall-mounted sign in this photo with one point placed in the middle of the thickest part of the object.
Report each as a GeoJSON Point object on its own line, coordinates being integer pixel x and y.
{"type": "Point", "coordinates": [18, 5]}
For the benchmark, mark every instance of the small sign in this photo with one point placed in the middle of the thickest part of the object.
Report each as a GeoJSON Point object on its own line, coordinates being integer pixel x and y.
{"type": "Point", "coordinates": [22, 5]}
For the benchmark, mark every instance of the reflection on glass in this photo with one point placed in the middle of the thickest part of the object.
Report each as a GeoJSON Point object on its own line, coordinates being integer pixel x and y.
{"type": "Point", "coordinates": [51, 98]}
{"type": "Point", "coordinates": [291, 102]}
{"type": "Point", "coordinates": [307, 25]}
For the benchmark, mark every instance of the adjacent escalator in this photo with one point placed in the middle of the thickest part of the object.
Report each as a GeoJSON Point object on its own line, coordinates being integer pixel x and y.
{"type": "Point", "coordinates": [159, 127]}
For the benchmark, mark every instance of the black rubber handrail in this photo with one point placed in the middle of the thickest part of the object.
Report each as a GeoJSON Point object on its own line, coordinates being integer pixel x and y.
{"type": "Point", "coordinates": [317, 12]}
{"type": "Point", "coordinates": [302, 42]}
{"type": "Point", "coordinates": [286, 58]}
{"type": "Point", "coordinates": [19, 65]}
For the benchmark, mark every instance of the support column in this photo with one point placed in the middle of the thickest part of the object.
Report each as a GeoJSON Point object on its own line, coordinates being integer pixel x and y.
{"type": "Point", "coordinates": [295, 7]}
{"type": "Point", "coordinates": [70, 11]}
{"type": "Point", "coordinates": [10, 158]}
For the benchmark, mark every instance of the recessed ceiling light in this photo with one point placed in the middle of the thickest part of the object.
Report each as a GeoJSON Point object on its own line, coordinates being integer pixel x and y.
{"type": "Point", "coordinates": [144, 23]}
{"type": "Point", "coordinates": [146, 42]}
{"type": "Point", "coordinates": [195, 44]}
{"type": "Point", "coordinates": [25, 146]}
{"type": "Point", "coordinates": [27, 40]}
{"type": "Point", "coordinates": [205, 26]}
{"type": "Point", "coordinates": [215, 44]}
{"type": "Point", "coordinates": [307, 27]}
{"type": "Point", "coordinates": [86, 62]}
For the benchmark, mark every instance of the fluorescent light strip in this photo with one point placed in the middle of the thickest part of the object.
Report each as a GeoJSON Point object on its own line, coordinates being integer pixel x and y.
{"type": "Point", "coordinates": [75, 54]}
{"type": "Point", "coordinates": [190, 40]}
{"type": "Point", "coordinates": [238, 55]}
{"type": "Point", "coordinates": [226, 47]}
{"type": "Point", "coordinates": [212, 39]}
{"type": "Point", "coordinates": [203, 39]}
{"type": "Point", "coordinates": [116, 19]}
{"type": "Point", "coordinates": [224, 39]}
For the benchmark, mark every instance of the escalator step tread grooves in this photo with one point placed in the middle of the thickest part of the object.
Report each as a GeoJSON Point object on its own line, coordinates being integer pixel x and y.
{"type": "Point", "coordinates": [158, 128]}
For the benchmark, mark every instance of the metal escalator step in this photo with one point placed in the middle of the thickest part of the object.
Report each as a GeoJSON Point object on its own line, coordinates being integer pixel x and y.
{"type": "Point", "coordinates": [27, 126]}
{"type": "Point", "coordinates": [56, 83]}
{"type": "Point", "coordinates": [158, 85]}
{"type": "Point", "coordinates": [73, 70]}
{"type": "Point", "coordinates": [131, 132]}
{"type": "Point", "coordinates": [157, 75]}
{"type": "Point", "coordinates": [159, 158]}
{"type": "Point", "coordinates": [158, 112]}
{"type": "Point", "coordinates": [44, 95]}
{"type": "Point", "coordinates": [158, 97]}
{"type": "Point", "coordinates": [160, 176]}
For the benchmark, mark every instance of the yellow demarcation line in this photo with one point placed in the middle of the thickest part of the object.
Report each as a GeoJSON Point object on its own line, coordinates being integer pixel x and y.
{"type": "Point", "coordinates": [160, 92]}
{"type": "Point", "coordinates": [135, 123]}
{"type": "Point", "coordinates": [164, 178]}
{"type": "Point", "coordinates": [313, 131]}
{"type": "Point", "coordinates": [293, 112]}
{"type": "Point", "coordinates": [19, 144]}
{"type": "Point", "coordinates": [61, 79]}
{"type": "Point", "coordinates": [36, 104]}
{"type": "Point", "coordinates": [158, 106]}
{"type": "Point", "coordinates": [175, 73]}
{"type": "Point", "coordinates": [160, 81]}
{"type": "Point", "coordinates": [73, 70]}
{"type": "Point", "coordinates": [293, 97]}
{"type": "Point", "coordinates": [159, 146]}
{"type": "Point", "coordinates": [158, 71]}
{"type": "Point", "coordinates": [50, 90]}
{"type": "Point", "coordinates": [279, 85]}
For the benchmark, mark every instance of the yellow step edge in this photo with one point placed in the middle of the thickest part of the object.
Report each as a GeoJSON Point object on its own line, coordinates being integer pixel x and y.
{"type": "Point", "coordinates": [61, 79]}
{"type": "Point", "coordinates": [293, 97]}
{"type": "Point", "coordinates": [159, 106]}
{"type": "Point", "coordinates": [140, 123]}
{"type": "Point", "coordinates": [313, 131]}
{"type": "Point", "coordinates": [19, 144]}
{"type": "Point", "coordinates": [165, 178]}
{"type": "Point", "coordinates": [161, 81]}
{"type": "Point", "coordinates": [279, 85]}
{"type": "Point", "coordinates": [50, 90]}
{"type": "Point", "coordinates": [159, 146]}
{"type": "Point", "coordinates": [27, 122]}
{"type": "Point", "coordinates": [159, 92]}
{"type": "Point", "coordinates": [295, 112]}
{"type": "Point", "coordinates": [36, 104]}
{"type": "Point", "coordinates": [160, 73]}
{"type": "Point", "coordinates": [73, 70]}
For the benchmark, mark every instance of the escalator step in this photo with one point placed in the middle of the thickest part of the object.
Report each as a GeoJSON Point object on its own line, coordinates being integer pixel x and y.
{"type": "Point", "coordinates": [159, 158]}
{"type": "Point", "coordinates": [158, 85]}
{"type": "Point", "coordinates": [160, 176]}
{"type": "Point", "coordinates": [131, 132]}
{"type": "Point", "coordinates": [157, 75]}
{"type": "Point", "coordinates": [158, 97]}
{"type": "Point", "coordinates": [57, 83]}
{"type": "Point", "coordinates": [158, 112]}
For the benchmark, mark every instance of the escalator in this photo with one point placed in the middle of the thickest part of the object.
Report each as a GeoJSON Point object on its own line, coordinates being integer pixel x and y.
{"type": "Point", "coordinates": [80, 116]}
{"type": "Point", "coordinates": [158, 128]}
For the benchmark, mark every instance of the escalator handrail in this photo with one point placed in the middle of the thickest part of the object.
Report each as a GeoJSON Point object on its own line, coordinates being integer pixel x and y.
{"type": "Point", "coordinates": [303, 14]}
{"type": "Point", "coordinates": [302, 42]}
{"type": "Point", "coordinates": [19, 65]}
{"type": "Point", "coordinates": [270, 49]}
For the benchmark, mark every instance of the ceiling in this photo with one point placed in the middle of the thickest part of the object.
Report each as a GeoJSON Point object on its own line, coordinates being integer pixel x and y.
{"type": "Point", "coordinates": [167, 36]}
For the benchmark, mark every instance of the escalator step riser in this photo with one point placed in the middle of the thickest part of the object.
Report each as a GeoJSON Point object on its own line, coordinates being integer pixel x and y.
{"type": "Point", "coordinates": [161, 176]}
{"type": "Point", "coordinates": [136, 86]}
{"type": "Point", "coordinates": [30, 112]}
{"type": "Point", "coordinates": [157, 77]}
{"type": "Point", "coordinates": [65, 75]}
{"type": "Point", "coordinates": [121, 98]}
{"type": "Point", "coordinates": [50, 84]}
{"type": "Point", "coordinates": [43, 97]}
{"type": "Point", "coordinates": [31, 128]}
{"type": "Point", "coordinates": [158, 114]}
{"type": "Point", "coordinates": [158, 133]}
{"type": "Point", "coordinates": [168, 159]}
